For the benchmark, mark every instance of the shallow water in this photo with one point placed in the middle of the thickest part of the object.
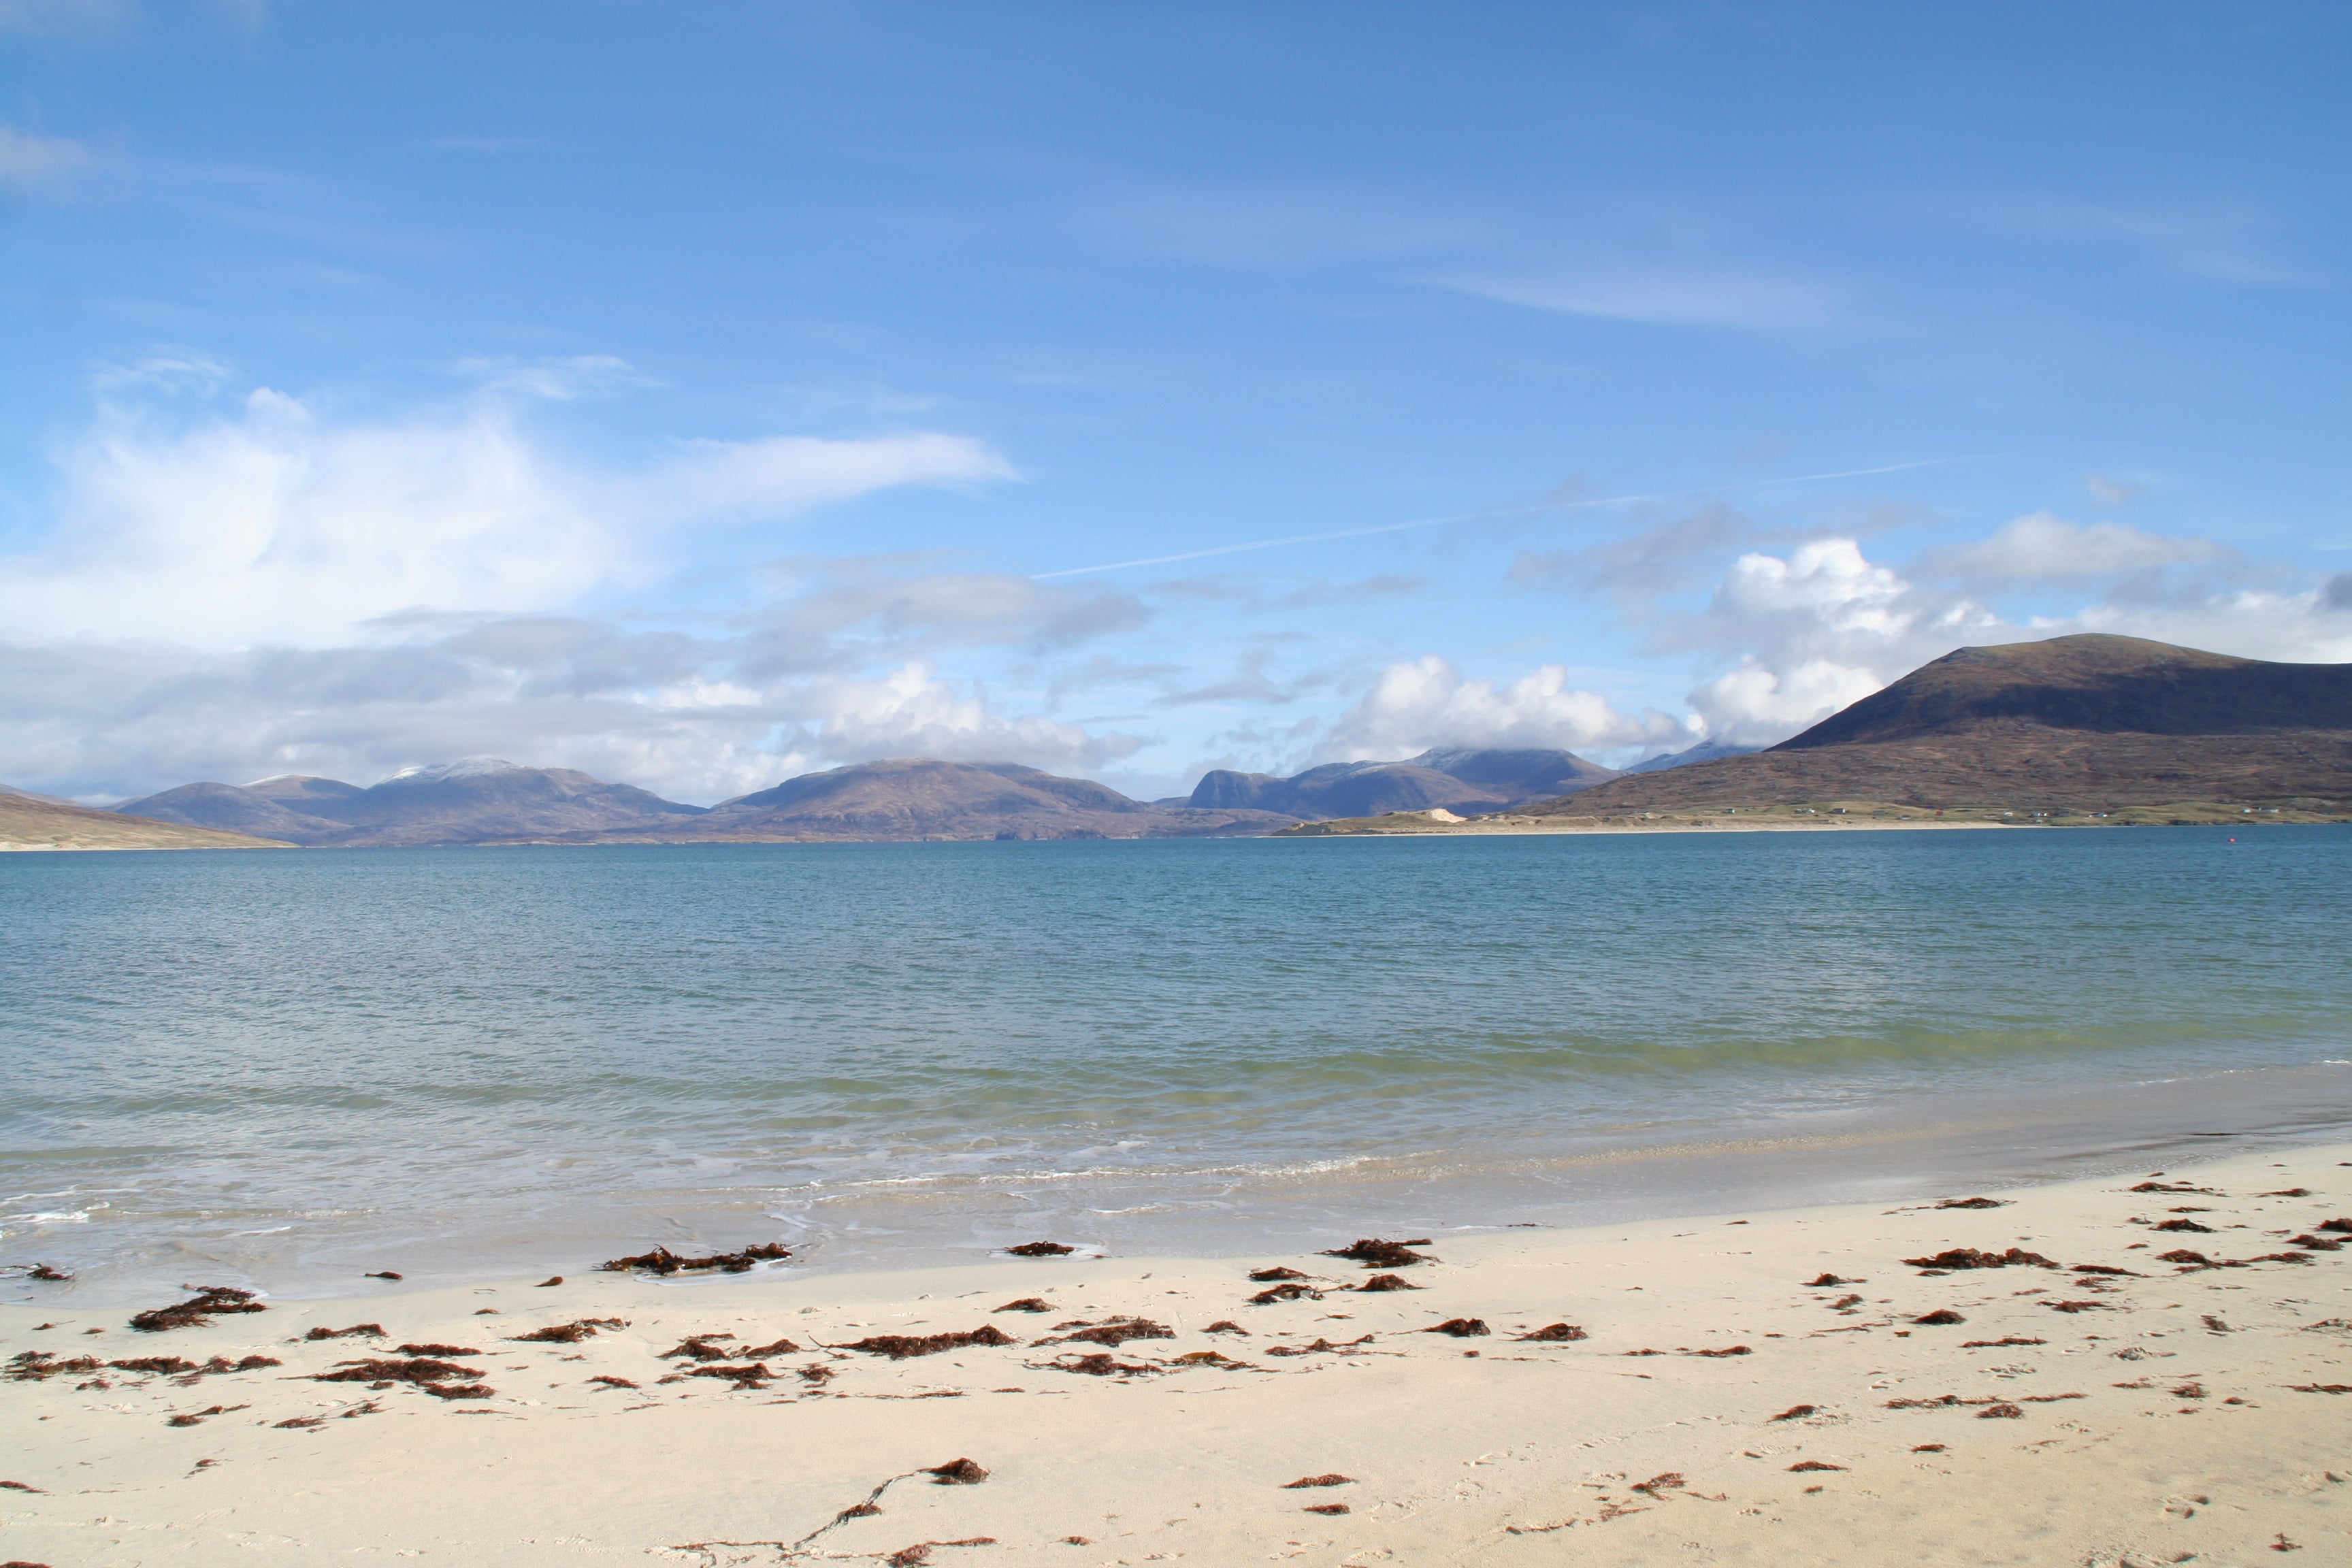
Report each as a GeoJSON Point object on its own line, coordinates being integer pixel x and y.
{"type": "Point", "coordinates": [291, 1068]}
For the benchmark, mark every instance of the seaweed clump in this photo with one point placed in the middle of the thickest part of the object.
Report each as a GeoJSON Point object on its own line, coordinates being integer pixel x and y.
{"type": "Point", "coordinates": [198, 1310]}
{"type": "Point", "coordinates": [663, 1261]}
{"type": "Point", "coordinates": [1113, 1333]}
{"type": "Point", "coordinates": [567, 1333]}
{"type": "Point", "coordinates": [1554, 1333]}
{"type": "Point", "coordinates": [1040, 1249]}
{"type": "Point", "coordinates": [1969, 1258]}
{"type": "Point", "coordinates": [1374, 1253]}
{"type": "Point", "coordinates": [898, 1347]}
{"type": "Point", "coordinates": [1460, 1328]}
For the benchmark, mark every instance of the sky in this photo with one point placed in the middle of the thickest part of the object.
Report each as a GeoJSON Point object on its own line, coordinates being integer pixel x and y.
{"type": "Point", "coordinates": [702, 396]}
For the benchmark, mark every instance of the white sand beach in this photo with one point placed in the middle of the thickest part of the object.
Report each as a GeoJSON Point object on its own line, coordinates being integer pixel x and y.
{"type": "Point", "coordinates": [1752, 1388]}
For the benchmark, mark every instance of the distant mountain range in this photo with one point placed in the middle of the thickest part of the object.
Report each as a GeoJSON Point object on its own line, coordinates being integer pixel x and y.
{"type": "Point", "coordinates": [1463, 782]}
{"type": "Point", "coordinates": [484, 800]}
{"type": "Point", "coordinates": [29, 821]}
{"type": "Point", "coordinates": [2085, 724]}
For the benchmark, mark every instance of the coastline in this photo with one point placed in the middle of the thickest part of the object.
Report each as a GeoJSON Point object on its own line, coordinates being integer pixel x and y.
{"type": "Point", "coordinates": [2152, 1413]}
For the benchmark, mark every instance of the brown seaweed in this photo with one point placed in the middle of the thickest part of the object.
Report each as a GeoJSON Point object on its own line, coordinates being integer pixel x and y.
{"type": "Point", "coordinates": [1553, 1333]}
{"type": "Point", "coordinates": [198, 1310]}
{"type": "Point", "coordinates": [1796, 1412]}
{"type": "Point", "coordinates": [898, 1347]}
{"type": "Point", "coordinates": [1728, 1350]}
{"type": "Point", "coordinates": [373, 1331]}
{"type": "Point", "coordinates": [549, 1283]}
{"type": "Point", "coordinates": [699, 1347]}
{"type": "Point", "coordinates": [611, 1382]}
{"type": "Point", "coordinates": [1333, 1479]}
{"type": "Point", "coordinates": [439, 1350]}
{"type": "Point", "coordinates": [1027, 1304]}
{"type": "Point", "coordinates": [1460, 1328]}
{"type": "Point", "coordinates": [2318, 1243]}
{"type": "Point", "coordinates": [424, 1369]}
{"type": "Point", "coordinates": [2342, 1226]}
{"type": "Point", "coordinates": [2184, 1225]}
{"type": "Point", "coordinates": [956, 1473]}
{"type": "Point", "coordinates": [2103, 1268]}
{"type": "Point", "coordinates": [1290, 1290]}
{"type": "Point", "coordinates": [1269, 1276]}
{"type": "Point", "coordinates": [1224, 1326]}
{"type": "Point", "coordinates": [1101, 1363]}
{"type": "Point", "coordinates": [663, 1261]}
{"type": "Point", "coordinates": [1320, 1345]}
{"type": "Point", "coordinates": [1815, 1465]}
{"type": "Point", "coordinates": [1114, 1333]}
{"type": "Point", "coordinates": [1940, 1318]}
{"type": "Point", "coordinates": [1328, 1507]}
{"type": "Point", "coordinates": [384, 1274]}
{"type": "Point", "coordinates": [1997, 1344]}
{"type": "Point", "coordinates": [567, 1333]}
{"type": "Point", "coordinates": [1386, 1282]}
{"type": "Point", "coordinates": [1040, 1249]}
{"type": "Point", "coordinates": [1374, 1253]}
{"type": "Point", "coordinates": [1969, 1258]}
{"type": "Point", "coordinates": [1971, 1204]}
{"type": "Point", "coordinates": [1825, 1281]}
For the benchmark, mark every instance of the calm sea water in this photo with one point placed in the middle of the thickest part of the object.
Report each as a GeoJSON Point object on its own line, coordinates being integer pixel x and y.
{"type": "Point", "coordinates": [292, 1067]}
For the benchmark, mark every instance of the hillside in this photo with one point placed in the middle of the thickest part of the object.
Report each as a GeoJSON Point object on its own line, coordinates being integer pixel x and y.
{"type": "Point", "coordinates": [38, 822]}
{"type": "Point", "coordinates": [1463, 781]}
{"type": "Point", "coordinates": [923, 798]}
{"type": "Point", "coordinates": [476, 800]}
{"type": "Point", "coordinates": [2076, 724]}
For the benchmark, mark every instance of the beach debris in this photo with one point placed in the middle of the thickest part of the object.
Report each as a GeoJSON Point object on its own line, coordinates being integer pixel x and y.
{"type": "Point", "coordinates": [295, 1422]}
{"type": "Point", "coordinates": [1815, 1465]}
{"type": "Point", "coordinates": [2080, 1306]}
{"type": "Point", "coordinates": [1328, 1507]}
{"type": "Point", "coordinates": [2171, 1187]}
{"type": "Point", "coordinates": [1928, 1448]}
{"type": "Point", "coordinates": [198, 1310]}
{"type": "Point", "coordinates": [21, 1487]}
{"type": "Point", "coordinates": [39, 1271]}
{"type": "Point", "coordinates": [2184, 1225]}
{"type": "Point", "coordinates": [434, 1376]}
{"type": "Point", "coordinates": [1027, 1304]}
{"type": "Point", "coordinates": [439, 1350]}
{"type": "Point", "coordinates": [1460, 1328]}
{"type": "Point", "coordinates": [1101, 1363]}
{"type": "Point", "coordinates": [611, 1382]}
{"type": "Point", "coordinates": [1289, 1290]}
{"type": "Point", "coordinates": [2320, 1387]}
{"type": "Point", "coordinates": [2343, 1226]}
{"type": "Point", "coordinates": [1206, 1357]}
{"type": "Point", "coordinates": [2318, 1243]}
{"type": "Point", "coordinates": [370, 1331]}
{"type": "Point", "coordinates": [1646, 1353]}
{"type": "Point", "coordinates": [1728, 1350]}
{"type": "Point", "coordinates": [551, 1281]}
{"type": "Point", "coordinates": [1997, 1344]}
{"type": "Point", "coordinates": [2288, 1192]}
{"type": "Point", "coordinates": [1971, 1204]}
{"type": "Point", "coordinates": [1665, 1480]}
{"type": "Point", "coordinates": [569, 1334]}
{"type": "Point", "coordinates": [1825, 1281]}
{"type": "Point", "coordinates": [1040, 1249]}
{"type": "Point", "coordinates": [2103, 1268]}
{"type": "Point", "coordinates": [35, 1366]}
{"type": "Point", "coordinates": [2184, 1255]}
{"type": "Point", "coordinates": [1374, 1253]}
{"type": "Point", "coordinates": [1268, 1276]}
{"type": "Point", "coordinates": [196, 1418]}
{"type": "Point", "coordinates": [816, 1375]}
{"type": "Point", "coordinates": [898, 1347]}
{"type": "Point", "coordinates": [1395, 1282]}
{"type": "Point", "coordinates": [1113, 1333]}
{"type": "Point", "coordinates": [1971, 1258]}
{"type": "Point", "coordinates": [1950, 1400]}
{"type": "Point", "coordinates": [1797, 1412]}
{"type": "Point", "coordinates": [752, 1374]}
{"type": "Point", "coordinates": [663, 1261]}
{"type": "Point", "coordinates": [1845, 1303]}
{"type": "Point", "coordinates": [384, 1274]}
{"type": "Point", "coordinates": [1319, 1346]}
{"type": "Point", "coordinates": [485, 1312]}
{"type": "Point", "coordinates": [2279, 1542]}
{"type": "Point", "coordinates": [1331, 1479]}
{"type": "Point", "coordinates": [1940, 1317]}
{"type": "Point", "coordinates": [699, 1347]}
{"type": "Point", "coordinates": [1553, 1333]}
{"type": "Point", "coordinates": [2002, 1412]}
{"type": "Point", "coordinates": [1224, 1326]}
{"type": "Point", "coordinates": [957, 1473]}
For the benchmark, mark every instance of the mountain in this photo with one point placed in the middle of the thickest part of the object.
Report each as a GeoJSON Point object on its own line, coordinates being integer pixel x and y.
{"type": "Point", "coordinates": [1705, 752]}
{"type": "Point", "coordinates": [473, 801]}
{"type": "Point", "coordinates": [2084, 724]}
{"type": "Point", "coordinates": [920, 797]}
{"type": "Point", "coordinates": [1461, 781]}
{"type": "Point", "coordinates": [29, 821]}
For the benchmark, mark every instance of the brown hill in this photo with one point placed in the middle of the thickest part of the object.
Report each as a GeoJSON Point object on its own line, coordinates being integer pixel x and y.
{"type": "Point", "coordinates": [2086, 723]}
{"type": "Point", "coordinates": [1461, 779]}
{"type": "Point", "coordinates": [37, 822]}
{"type": "Point", "coordinates": [922, 798]}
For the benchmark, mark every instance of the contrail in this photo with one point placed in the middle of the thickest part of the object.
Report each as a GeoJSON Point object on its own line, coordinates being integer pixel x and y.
{"type": "Point", "coordinates": [1476, 516]}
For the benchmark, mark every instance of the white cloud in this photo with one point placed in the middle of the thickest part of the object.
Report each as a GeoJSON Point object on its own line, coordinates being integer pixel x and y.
{"type": "Point", "coordinates": [1427, 702]}
{"type": "Point", "coordinates": [28, 162]}
{"type": "Point", "coordinates": [2040, 545]}
{"type": "Point", "coordinates": [275, 523]}
{"type": "Point", "coordinates": [911, 712]}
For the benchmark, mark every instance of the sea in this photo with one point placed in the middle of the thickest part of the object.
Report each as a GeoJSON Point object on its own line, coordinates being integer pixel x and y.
{"type": "Point", "coordinates": [290, 1070]}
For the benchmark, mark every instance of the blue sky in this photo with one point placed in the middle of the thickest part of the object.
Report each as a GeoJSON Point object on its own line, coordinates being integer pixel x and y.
{"type": "Point", "coordinates": [703, 395]}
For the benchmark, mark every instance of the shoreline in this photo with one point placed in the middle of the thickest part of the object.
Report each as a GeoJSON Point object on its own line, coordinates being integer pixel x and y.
{"type": "Point", "coordinates": [1711, 1397]}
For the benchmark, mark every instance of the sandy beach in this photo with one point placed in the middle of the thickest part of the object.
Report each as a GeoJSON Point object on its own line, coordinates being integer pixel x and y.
{"type": "Point", "coordinates": [1766, 1388]}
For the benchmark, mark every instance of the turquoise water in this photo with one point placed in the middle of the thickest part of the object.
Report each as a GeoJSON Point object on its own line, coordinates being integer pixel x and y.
{"type": "Point", "coordinates": [297, 1066]}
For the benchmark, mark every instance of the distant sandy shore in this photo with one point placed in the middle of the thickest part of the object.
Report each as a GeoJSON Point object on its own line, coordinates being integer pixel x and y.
{"type": "Point", "coordinates": [1768, 1388]}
